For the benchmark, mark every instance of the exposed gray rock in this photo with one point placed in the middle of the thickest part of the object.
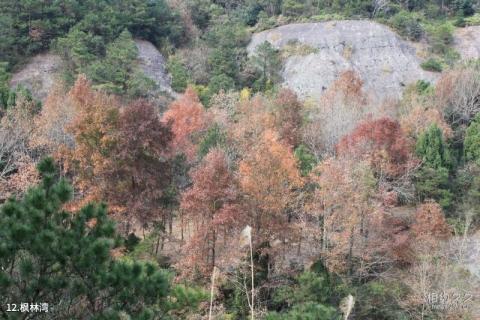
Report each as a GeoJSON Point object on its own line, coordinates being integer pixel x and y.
{"type": "Point", "coordinates": [39, 74]}
{"type": "Point", "coordinates": [384, 61]}
{"type": "Point", "coordinates": [152, 63]}
{"type": "Point", "coordinates": [467, 42]}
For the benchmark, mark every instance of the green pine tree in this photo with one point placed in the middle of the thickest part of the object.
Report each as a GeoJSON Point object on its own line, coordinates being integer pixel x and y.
{"type": "Point", "coordinates": [432, 149]}
{"type": "Point", "coordinates": [472, 141]}
{"type": "Point", "coordinates": [432, 179]}
{"type": "Point", "coordinates": [50, 255]}
{"type": "Point", "coordinates": [267, 62]}
{"type": "Point", "coordinates": [306, 159]}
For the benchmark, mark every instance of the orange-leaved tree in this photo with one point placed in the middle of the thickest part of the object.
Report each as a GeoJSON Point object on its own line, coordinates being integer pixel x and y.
{"type": "Point", "coordinates": [269, 178]}
{"type": "Point", "coordinates": [212, 205]}
{"type": "Point", "coordinates": [345, 203]}
{"type": "Point", "coordinates": [94, 131]}
{"type": "Point", "coordinates": [119, 154]}
{"type": "Point", "coordinates": [383, 144]}
{"type": "Point", "coordinates": [188, 119]}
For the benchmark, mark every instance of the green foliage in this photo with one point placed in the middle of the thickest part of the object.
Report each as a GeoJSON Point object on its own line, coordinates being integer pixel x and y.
{"type": "Point", "coordinates": [472, 141]}
{"type": "Point", "coordinates": [180, 77]}
{"type": "Point", "coordinates": [408, 25]}
{"type": "Point", "coordinates": [377, 300]}
{"type": "Point", "coordinates": [214, 137]}
{"type": "Point", "coordinates": [432, 65]}
{"type": "Point", "coordinates": [292, 8]}
{"type": "Point", "coordinates": [440, 37]}
{"type": "Point", "coordinates": [309, 298]}
{"type": "Point", "coordinates": [468, 191]}
{"type": "Point", "coordinates": [473, 20]}
{"type": "Point", "coordinates": [306, 159]}
{"type": "Point", "coordinates": [306, 311]}
{"type": "Point", "coordinates": [117, 72]}
{"type": "Point", "coordinates": [131, 242]}
{"type": "Point", "coordinates": [5, 92]}
{"type": "Point", "coordinates": [202, 12]}
{"type": "Point", "coordinates": [221, 82]}
{"type": "Point", "coordinates": [465, 8]}
{"type": "Point", "coordinates": [432, 179]}
{"type": "Point", "coordinates": [50, 255]}
{"type": "Point", "coordinates": [228, 55]}
{"type": "Point", "coordinates": [422, 86]}
{"type": "Point", "coordinates": [267, 63]}
{"type": "Point", "coordinates": [204, 94]}
{"type": "Point", "coordinates": [29, 27]}
{"type": "Point", "coordinates": [432, 149]}
{"type": "Point", "coordinates": [434, 184]}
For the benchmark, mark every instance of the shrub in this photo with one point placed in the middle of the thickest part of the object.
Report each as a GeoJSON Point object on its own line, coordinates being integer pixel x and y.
{"type": "Point", "coordinates": [292, 8]}
{"type": "Point", "coordinates": [408, 25]}
{"type": "Point", "coordinates": [422, 86]}
{"type": "Point", "coordinates": [440, 38]}
{"type": "Point", "coordinates": [179, 74]}
{"type": "Point", "coordinates": [472, 140]}
{"type": "Point", "coordinates": [473, 20]}
{"type": "Point", "coordinates": [432, 65]}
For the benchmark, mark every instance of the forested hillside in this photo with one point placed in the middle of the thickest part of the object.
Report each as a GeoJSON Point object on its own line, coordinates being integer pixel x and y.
{"type": "Point", "coordinates": [239, 159]}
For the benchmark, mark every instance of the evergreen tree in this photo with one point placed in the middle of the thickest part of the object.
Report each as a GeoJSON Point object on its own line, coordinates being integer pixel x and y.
{"type": "Point", "coordinates": [308, 299]}
{"type": "Point", "coordinates": [214, 137]}
{"type": "Point", "coordinates": [118, 72]}
{"type": "Point", "coordinates": [432, 149]}
{"type": "Point", "coordinates": [432, 179]}
{"type": "Point", "coordinates": [180, 77]}
{"type": "Point", "coordinates": [306, 159]}
{"type": "Point", "coordinates": [267, 62]}
{"type": "Point", "coordinates": [472, 141]}
{"type": "Point", "coordinates": [65, 259]}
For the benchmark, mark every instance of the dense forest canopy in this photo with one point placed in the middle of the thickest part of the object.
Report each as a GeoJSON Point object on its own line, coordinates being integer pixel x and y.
{"type": "Point", "coordinates": [231, 196]}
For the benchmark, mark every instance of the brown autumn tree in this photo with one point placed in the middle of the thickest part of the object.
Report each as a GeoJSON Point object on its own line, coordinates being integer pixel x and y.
{"type": "Point", "coordinates": [188, 119]}
{"type": "Point", "coordinates": [252, 119]}
{"type": "Point", "coordinates": [342, 106]}
{"type": "Point", "coordinates": [269, 177]}
{"type": "Point", "coordinates": [211, 205]}
{"type": "Point", "coordinates": [94, 130]}
{"type": "Point", "coordinates": [141, 169]}
{"type": "Point", "coordinates": [382, 143]}
{"type": "Point", "coordinates": [430, 227]}
{"type": "Point", "coordinates": [379, 141]}
{"type": "Point", "coordinates": [288, 117]}
{"type": "Point", "coordinates": [50, 135]}
{"type": "Point", "coordinates": [17, 161]}
{"type": "Point", "coordinates": [419, 118]}
{"type": "Point", "coordinates": [119, 154]}
{"type": "Point", "coordinates": [457, 95]}
{"type": "Point", "coordinates": [16, 126]}
{"type": "Point", "coordinates": [346, 205]}
{"type": "Point", "coordinates": [254, 116]}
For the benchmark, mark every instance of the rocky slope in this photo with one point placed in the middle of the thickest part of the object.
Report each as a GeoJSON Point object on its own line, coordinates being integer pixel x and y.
{"type": "Point", "coordinates": [384, 61]}
{"type": "Point", "coordinates": [40, 73]}
{"type": "Point", "coordinates": [153, 64]}
{"type": "Point", "coordinates": [467, 42]}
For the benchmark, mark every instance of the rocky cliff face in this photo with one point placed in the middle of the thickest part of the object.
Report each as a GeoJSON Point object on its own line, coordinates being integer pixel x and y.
{"type": "Point", "coordinates": [467, 42]}
{"type": "Point", "coordinates": [40, 73]}
{"type": "Point", "coordinates": [153, 64]}
{"type": "Point", "coordinates": [384, 61]}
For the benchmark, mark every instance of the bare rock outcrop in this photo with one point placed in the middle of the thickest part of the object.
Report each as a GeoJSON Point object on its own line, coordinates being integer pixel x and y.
{"type": "Point", "coordinates": [153, 64]}
{"type": "Point", "coordinates": [467, 42]}
{"type": "Point", "coordinates": [39, 74]}
{"type": "Point", "coordinates": [385, 62]}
